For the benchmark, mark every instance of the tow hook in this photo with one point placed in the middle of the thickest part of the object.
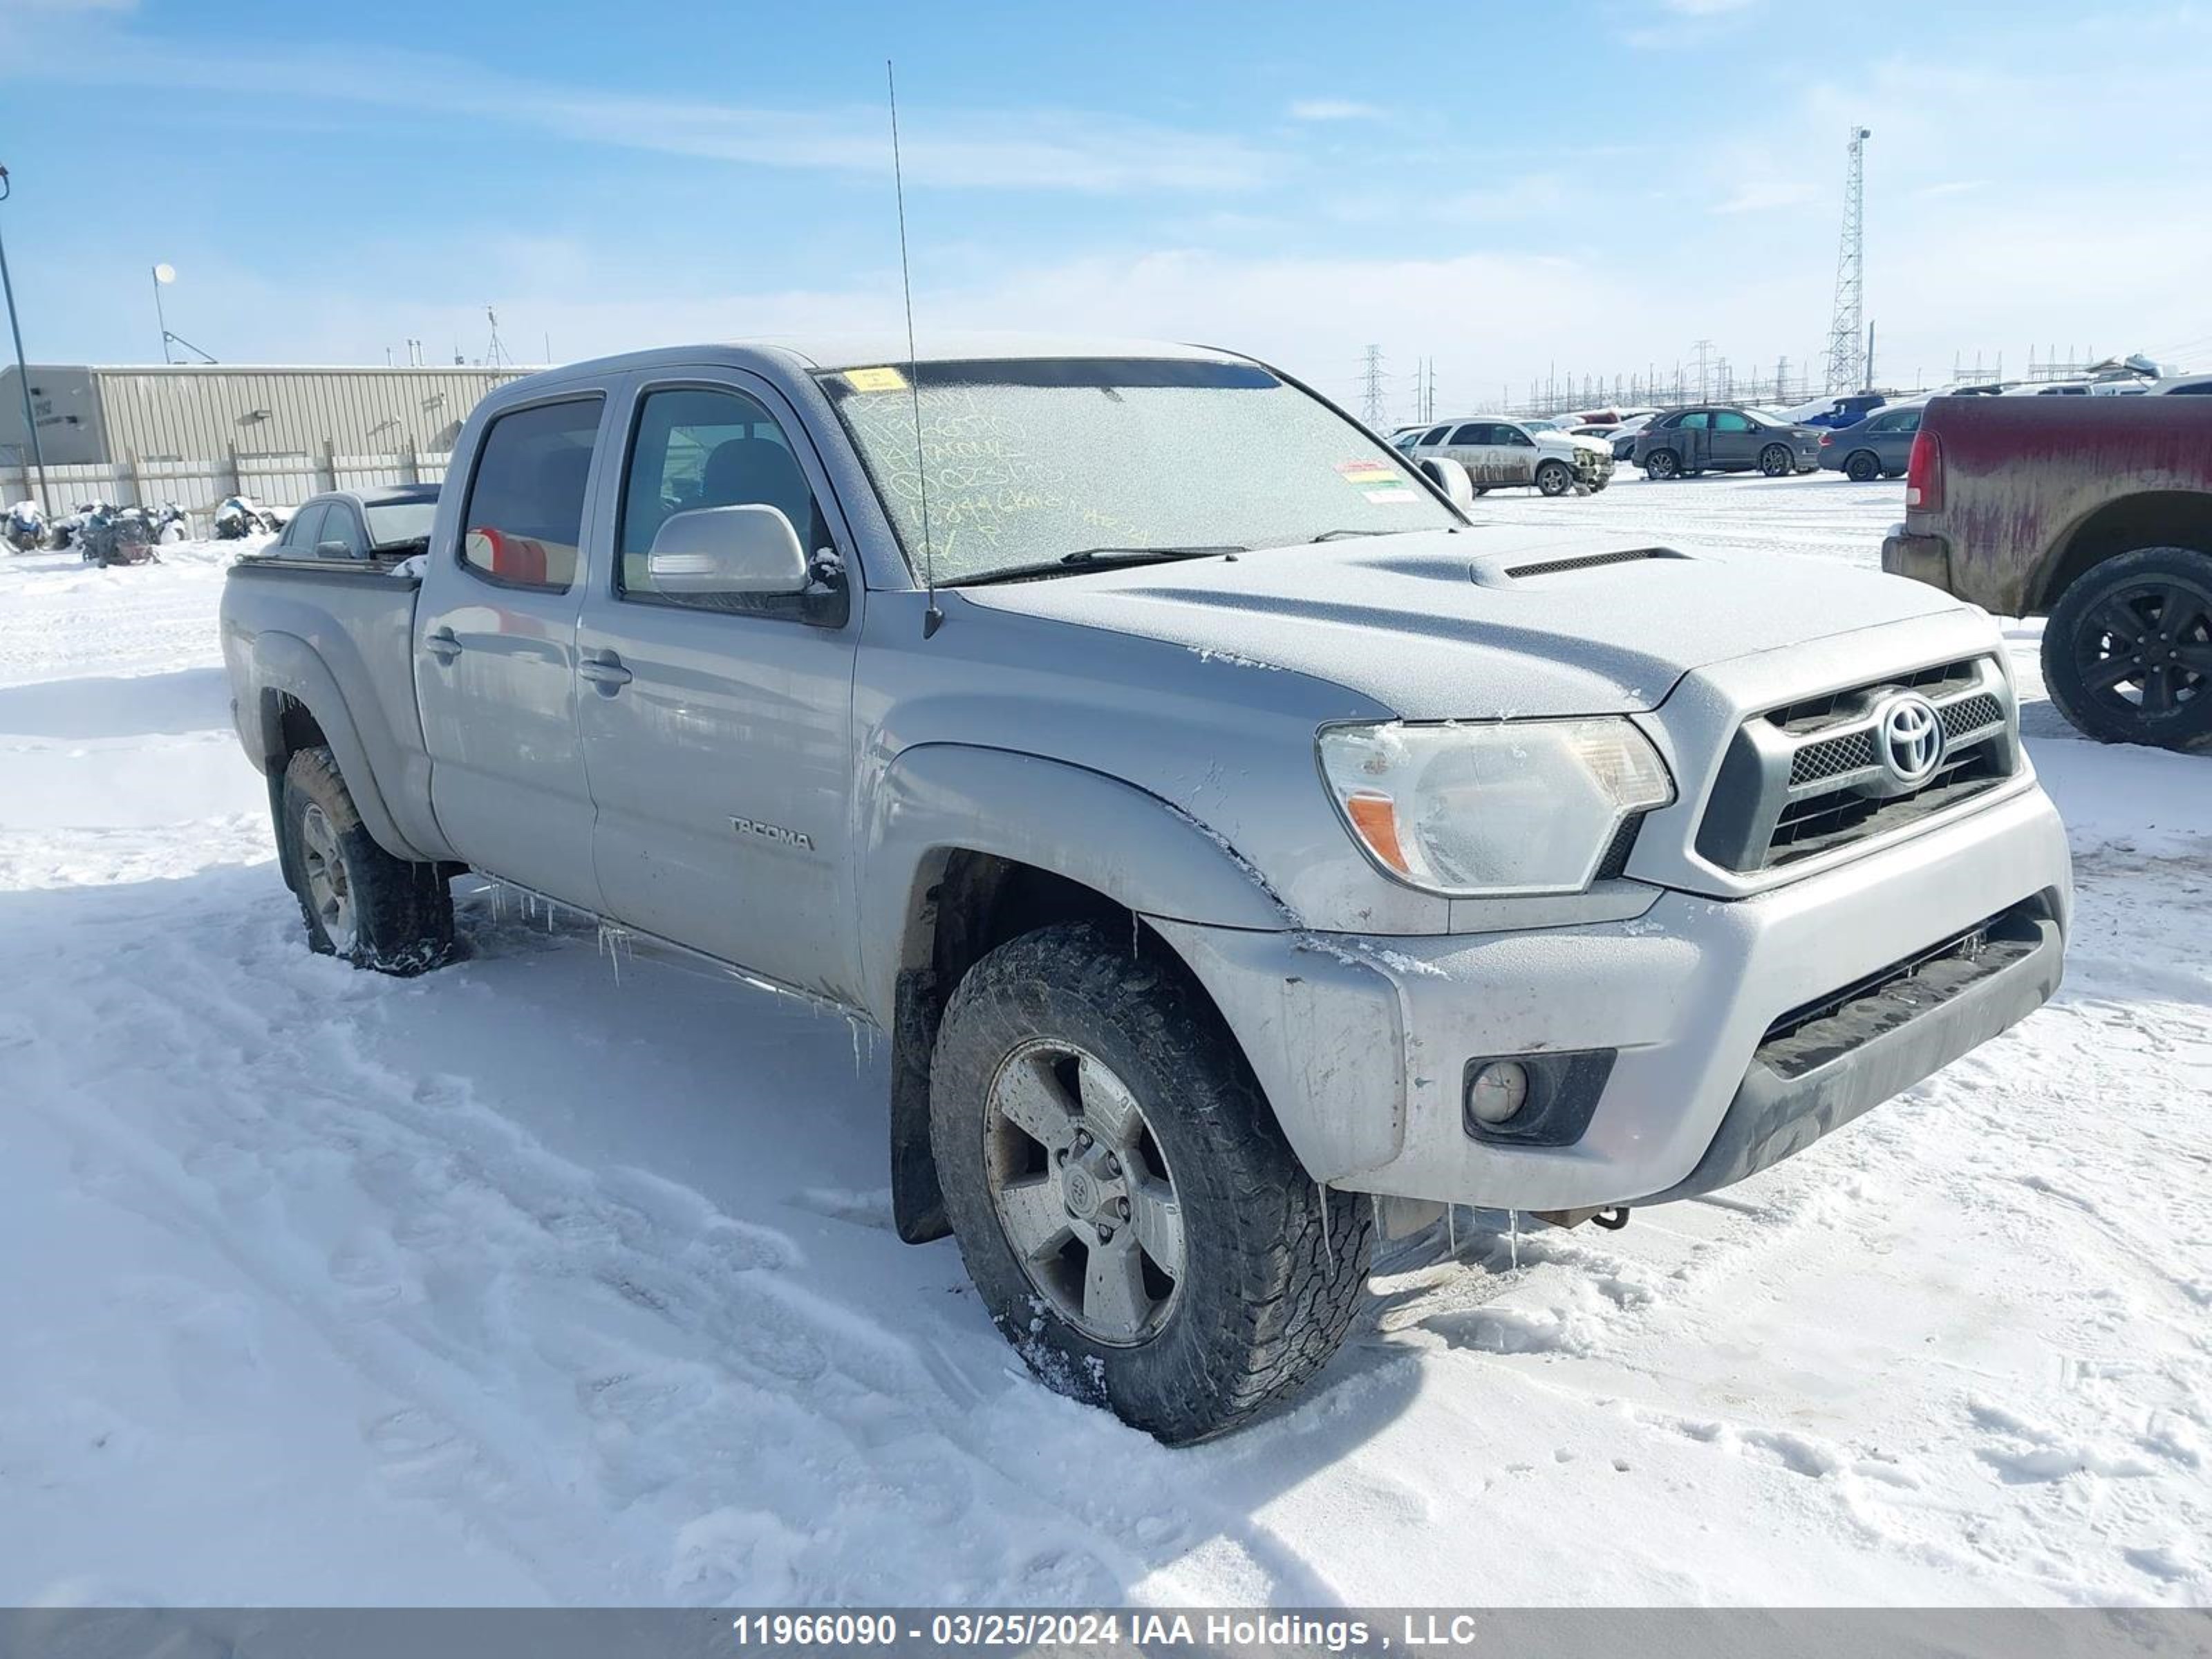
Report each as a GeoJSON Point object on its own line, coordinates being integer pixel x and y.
{"type": "Point", "coordinates": [1613, 1219]}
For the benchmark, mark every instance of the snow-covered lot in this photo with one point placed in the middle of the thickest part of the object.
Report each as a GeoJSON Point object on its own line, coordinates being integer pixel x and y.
{"type": "Point", "coordinates": [558, 1278]}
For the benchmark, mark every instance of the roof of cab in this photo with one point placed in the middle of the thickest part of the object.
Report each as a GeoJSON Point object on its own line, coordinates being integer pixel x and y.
{"type": "Point", "coordinates": [833, 351]}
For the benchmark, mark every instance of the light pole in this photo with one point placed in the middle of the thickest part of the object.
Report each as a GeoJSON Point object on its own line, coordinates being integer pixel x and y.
{"type": "Point", "coordinates": [22, 368]}
{"type": "Point", "coordinates": [163, 275]}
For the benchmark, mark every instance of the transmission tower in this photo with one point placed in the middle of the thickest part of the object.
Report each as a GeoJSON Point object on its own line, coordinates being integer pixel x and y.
{"type": "Point", "coordinates": [1846, 331]}
{"type": "Point", "coordinates": [1371, 406]}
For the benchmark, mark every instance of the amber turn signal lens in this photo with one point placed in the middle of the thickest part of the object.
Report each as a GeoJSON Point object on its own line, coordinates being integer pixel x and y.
{"type": "Point", "coordinates": [1375, 817]}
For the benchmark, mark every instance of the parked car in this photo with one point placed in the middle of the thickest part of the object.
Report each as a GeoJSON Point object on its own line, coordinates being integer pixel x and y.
{"type": "Point", "coordinates": [2183, 385]}
{"type": "Point", "coordinates": [1238, 867]}
{"type": "Point", "coordinates": [1500, 454]}
{"type": "Point", "coordinates": [1877, 448]}
{"type": "Point", "coordinates": [1719, 439]}
{"type": "Point", "coordinates": [1839, 412]}
{"type": "Point", "coordinates": [1618, 436]}
{"type": "Point", "coordinates": [388, 522]}
{"type": "Point", "coordinates": [2096, 513]}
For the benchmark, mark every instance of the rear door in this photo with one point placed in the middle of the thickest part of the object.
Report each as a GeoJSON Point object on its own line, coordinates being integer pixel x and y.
{"type": "Point", "coordinates": [496, 664]}
{"type": "Point", "coordinates": [1692, 441]}
{"type": "Point", "coordinates": [718, 731]}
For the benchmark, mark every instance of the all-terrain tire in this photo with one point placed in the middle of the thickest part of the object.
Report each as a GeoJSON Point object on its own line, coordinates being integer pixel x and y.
{"type": "Point", "coordinates": [1274, 1265]}
{"type": "Point", "coordinates": [399, 915]}
{"type": "Point", "coordinates": [1863, 467]}
{"type": "Point", "coordinates": [2162, 597]}
{"type": "Point", "coordinates": [1777, 462]}
{"type": "Point", "coordinates": [1555, 478]}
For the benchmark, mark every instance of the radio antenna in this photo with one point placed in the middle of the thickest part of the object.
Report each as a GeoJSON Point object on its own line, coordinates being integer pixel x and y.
{"type": "Point", "coordinates": [932, 618]}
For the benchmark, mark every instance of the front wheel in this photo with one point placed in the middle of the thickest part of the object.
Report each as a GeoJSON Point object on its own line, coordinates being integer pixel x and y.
{"type": "Point", "coordinates": [1555, 478]}
{"type": "Point", "coordinates": [358, 900]}
{"type": "Point", "coordinates": [2127, 654]}
{"type": "Point", "coordinates": [1122, 1197]}
{"type": "Point", "coordinates": [1776, 461]}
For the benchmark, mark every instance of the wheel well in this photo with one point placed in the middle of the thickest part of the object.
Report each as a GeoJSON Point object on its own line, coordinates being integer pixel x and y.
{"type": "Point", "coordinates": [2157, 518]}
{"type": "Point", "coordinates": [973, 903]}
{"type": "Point", "coordinates": [293, 729]}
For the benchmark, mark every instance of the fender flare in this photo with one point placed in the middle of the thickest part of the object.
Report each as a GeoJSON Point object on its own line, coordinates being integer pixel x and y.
{"type": "Point", "coordinates": [1141, 851]}
{"type": "Point", "coordinates": [287, 664]}
{"type": "Point", "coordinates": [937, 799]}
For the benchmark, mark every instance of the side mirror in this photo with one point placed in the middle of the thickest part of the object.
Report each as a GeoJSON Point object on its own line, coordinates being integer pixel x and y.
{"type": "Point", "coordinates": [1450, 476]}
{"type": "Point", "coordinates": [711, 551]}
{"type": "Point", "coordinates": [333, 550]}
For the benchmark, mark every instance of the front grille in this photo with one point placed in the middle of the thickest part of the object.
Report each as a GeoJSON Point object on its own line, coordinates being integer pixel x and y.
{"type": "Point", "coordinates": [1808, 777]}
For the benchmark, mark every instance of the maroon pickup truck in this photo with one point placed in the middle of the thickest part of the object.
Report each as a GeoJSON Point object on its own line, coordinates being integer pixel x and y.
{"type": "Point", "coordinates": [2096, 513]}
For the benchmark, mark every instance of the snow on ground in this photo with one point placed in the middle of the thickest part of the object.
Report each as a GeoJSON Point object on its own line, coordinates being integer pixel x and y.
{"type": "Point", "coordinates": [525, 1282]}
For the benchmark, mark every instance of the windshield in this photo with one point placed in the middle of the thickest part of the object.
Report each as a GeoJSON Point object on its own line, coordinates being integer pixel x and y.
{"type": "Point", "coordinates": [399, 521]}
{"type": "Point", "coordinates": [1032, 460]}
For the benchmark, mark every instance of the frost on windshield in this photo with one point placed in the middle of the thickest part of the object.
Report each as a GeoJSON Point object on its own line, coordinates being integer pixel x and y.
{"type": "Point", "coordinates": [1030, 461]}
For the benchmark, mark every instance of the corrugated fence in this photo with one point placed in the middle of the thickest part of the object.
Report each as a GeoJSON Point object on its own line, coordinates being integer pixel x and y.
{"type": "Point", "coordinates": [199, 487]}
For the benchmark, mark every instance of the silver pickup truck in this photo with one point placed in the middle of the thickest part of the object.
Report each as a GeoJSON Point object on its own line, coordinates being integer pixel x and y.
{"type": "Point", "coordinates": [1244, 850]}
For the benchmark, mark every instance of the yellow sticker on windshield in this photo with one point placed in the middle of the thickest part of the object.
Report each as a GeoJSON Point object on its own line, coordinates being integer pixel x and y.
{"type": "Point", "coordinates": [875, 380]}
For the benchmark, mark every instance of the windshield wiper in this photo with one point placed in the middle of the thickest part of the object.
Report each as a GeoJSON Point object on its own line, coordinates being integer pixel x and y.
{"type": "Point", "coordinates": [1096, 558]}
{"type": "Point", "coordinates": [1346, 535]}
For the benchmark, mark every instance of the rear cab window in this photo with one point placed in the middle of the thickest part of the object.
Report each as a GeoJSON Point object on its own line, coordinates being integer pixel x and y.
{"type": "Point", "coordinates": [523, 522]}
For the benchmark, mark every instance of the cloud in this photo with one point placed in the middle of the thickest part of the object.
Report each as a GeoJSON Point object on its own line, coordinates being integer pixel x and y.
{"type": "Point", "coordinates": [1765, 196]}
{"type": "Point", "coordinates": [1334, 109]}
{"type": "Point", "coordinates": [1683, 23]}
{"type": "Point", "coordinates": [1047, 150]}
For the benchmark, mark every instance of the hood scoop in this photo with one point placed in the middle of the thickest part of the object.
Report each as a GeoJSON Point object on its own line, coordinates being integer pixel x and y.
{"type": "Point", "coordinates": [1503, 572]}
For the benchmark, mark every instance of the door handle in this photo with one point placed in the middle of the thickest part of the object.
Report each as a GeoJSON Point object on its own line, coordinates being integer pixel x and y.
{"type": "Point", "coordinates": [605, 671]}
{"type": "Point", "coordinates": [443, 644]}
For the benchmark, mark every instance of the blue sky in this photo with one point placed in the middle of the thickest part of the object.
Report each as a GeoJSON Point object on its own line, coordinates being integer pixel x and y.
{"type": "Point", "coordinates": [1596, 185]}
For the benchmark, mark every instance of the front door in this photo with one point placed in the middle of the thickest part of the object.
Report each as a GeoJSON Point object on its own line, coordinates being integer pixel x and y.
{"type": "Point", "coordinates": [718, 730]}
{"type": "Point", "coordinates": [1517, 454]}
{"type": "Point", "coordinates": [1736, 440]}
{"type": "Point", "coordinates": [496, 664]}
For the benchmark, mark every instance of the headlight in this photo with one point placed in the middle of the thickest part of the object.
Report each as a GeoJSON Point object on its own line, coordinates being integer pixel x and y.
{"type": "Point", "coordinates": [1514, 806]}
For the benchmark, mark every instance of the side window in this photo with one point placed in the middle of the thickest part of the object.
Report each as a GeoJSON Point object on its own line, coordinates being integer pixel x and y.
{"type": "Point", "coordinates": [1435, 435]}
{"type": "Point", "coordinates": [697, 447]}
{"type": "Point", "coordinates": [524, 520]}
{"type": "Point", "coordinates": [1514, 438]}
{"type": "Point", "coordinates": [1729, 420]}
{"type": "Point", "coordinates": [1472, 433]}
{"type": "Point", "coordinates": [2202, 388]}
{"type": "Point", "coordinates": [304, 529]}
{"type": "Point", "coordinates": [1696, 421]}
{"type": "Point", "coordinates": [338, 525]}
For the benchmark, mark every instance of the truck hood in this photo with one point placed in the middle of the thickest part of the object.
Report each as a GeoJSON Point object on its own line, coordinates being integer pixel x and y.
{"type": "Point", "coordinates": [1481, 622]}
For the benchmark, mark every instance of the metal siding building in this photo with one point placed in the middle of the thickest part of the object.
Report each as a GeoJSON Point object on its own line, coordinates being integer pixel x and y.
{"type": "Point", "coordinates": [96, 415]}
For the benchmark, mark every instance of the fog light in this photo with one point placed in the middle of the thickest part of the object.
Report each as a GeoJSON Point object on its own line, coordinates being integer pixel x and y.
{"type": "Point", "coordinates": [1498, 1092]}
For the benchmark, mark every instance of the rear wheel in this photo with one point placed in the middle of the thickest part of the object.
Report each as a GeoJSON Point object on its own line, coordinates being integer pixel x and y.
{"type": "Point", "coordinates": [1863, 467]}
{"type": "Point", "coordinates": [1555, 478]}
{"type": "Point", "coordinates": [1122, 1196]}
{"type": "Point", "coordinates": [2127, 654]}
{"type": "Point", "coordinates": [358, 900]}
{"type": "Point", "coordinates": [1662, 463]}
{"type": "Point", "coordinates": [1776, 461]}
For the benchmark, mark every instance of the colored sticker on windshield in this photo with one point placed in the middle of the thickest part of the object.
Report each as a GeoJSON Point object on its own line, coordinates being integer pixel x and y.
{"type": "Point", "coordinates": [1367, 474]}
{"type": "Point", "coordinates": [875, 380]}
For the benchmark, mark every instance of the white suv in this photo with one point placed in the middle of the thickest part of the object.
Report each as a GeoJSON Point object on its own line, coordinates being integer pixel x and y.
{"type": "Point", "coordinates": [1500, 453]}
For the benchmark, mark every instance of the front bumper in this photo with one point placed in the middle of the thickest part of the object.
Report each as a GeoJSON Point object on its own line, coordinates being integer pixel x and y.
{"type": "Point", "coordinates": [1593, 468]}
{"type": "Point", "coordinates": [1923, 558]}
{"type": "Point", "coordinates": [1363, 1044]}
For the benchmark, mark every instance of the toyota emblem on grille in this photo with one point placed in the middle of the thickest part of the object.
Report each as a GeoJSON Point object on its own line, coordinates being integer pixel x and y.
{"type": "Point", "coordinates": [1911, 739]}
